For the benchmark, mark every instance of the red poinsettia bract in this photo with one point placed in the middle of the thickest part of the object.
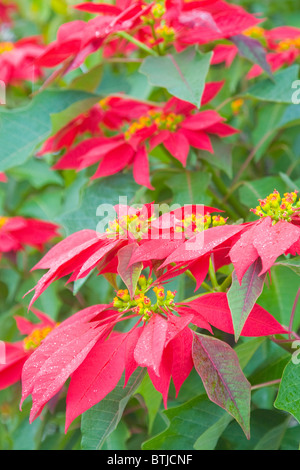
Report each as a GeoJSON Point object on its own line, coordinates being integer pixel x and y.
{"type": "Point", "coordinates": [7, 9]}
{"type": "Point", "coordinates": [275, 233]}
{"type": "Point", "coordinates": [3, 178]}
{"type": "Point", "coordinates": [201, 22]}
{"type": "Point", "coordinates": [111, 251]}
{"type": "Point", "coordinates": [110, 113]}
{"type": "Point", "coordinates": [282, 46]}
{"type": "Point", "coordinates": [86, 347]}
{"type": "Point", "coordinates": [16, 354]}
{"type": "Point", "coordinates": [177, 125]}
{"type": "Point", "coordinates": [78, 39]}
{"type": "Point", "coordinates": [18, 232]}
{"type": "Point", "coordinates": [18, 60]}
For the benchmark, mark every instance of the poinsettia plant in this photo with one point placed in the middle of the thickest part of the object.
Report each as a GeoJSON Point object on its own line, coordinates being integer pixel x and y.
{"type": "Point", "coordinates": [149, 225]}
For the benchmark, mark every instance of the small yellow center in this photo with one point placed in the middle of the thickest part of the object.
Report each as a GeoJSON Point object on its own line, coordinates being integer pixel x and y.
{"type": "Point", "coordinates": [255, 33]}
{"type": "Point", "coordinates": [6, 47]}
{"type": "Point", "coordinates": [166, 33]}
{"type": "Point", "coordinates": [33, 341]}
{"type": "Point", "coordinates": [136, 224]}
{"type": "Point", "coordinates": [141, 304]}
{"type": "Point", "coordinates": [3, 221]}
{"type": "Point", "coordinates": [104, 104]}
{"type": "Point", "coordinates": [287, 44]}
{"type": "Point", "coordinates": [236, 105]}
{"type": "Point", "coordinates": [158, 10]}
{"type": "Point", "coordinates": [163, 121]}
{"type": "Point", "coordinates": [197, 223]}
{"type": "Point", "coordinates": [278, 208]}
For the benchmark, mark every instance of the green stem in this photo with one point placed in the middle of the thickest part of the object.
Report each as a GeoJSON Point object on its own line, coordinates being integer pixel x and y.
{"type": "Point", "coordinates": [155, 39]}
{"type": "Point", "coordinates": [266, 384]}
{"type": "Point", "coordinates": [293, 312]}
{"type": "Point", "coordinates": [139, 44]}
{"type": "Point", "coordinates": [223, 287]}
{"type": "Point", "coordinates": [212, 276]}
{"type": "Point", "coordinates": [204, 284]}
{"type": "Point", "coordinates": [190, 299]}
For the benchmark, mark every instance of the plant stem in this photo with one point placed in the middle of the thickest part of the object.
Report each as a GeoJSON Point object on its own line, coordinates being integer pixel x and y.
{"type": "Point", "coordinates": [136, 42]}
{"type": "Point", "coordinates": [155, 39]}
{"type": "Point", "coordinates": [212, 276]}
{"type": "Point", "coordinates": [293, 313]}
{"type": "Point", "coordinates": [190, 299]}
{"type": "Point", "coordinates": [223, 287]}
{"type": "Point", "coordinates": [266, 384]}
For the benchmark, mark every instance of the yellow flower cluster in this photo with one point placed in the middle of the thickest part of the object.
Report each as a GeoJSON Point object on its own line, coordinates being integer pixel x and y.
{"type": "Point", "coordinates": [141, 304]}
{"type": "Point", "coordinates": [287, 44]}
{"type": "Point", "coordinates": [255, 33]}
{"type": "Point", "coordinates": [167, 33]}
{"type": "Point", "coordinates": [236, 105]}
{"type": "Point", "coordinates": [278, 208]}
{"type": "Point", "coordinates": [198, 223]}
{"type": "Point", "coordinates": [35, 338]}
{"type": "Point", "coordinates": [3, 221]}
{"type": "Point", "coordinates": [158, 10]}
{"type": "Point", "coordinates": [163, 121]}
{"type": "Point", "coordinates": [6, 47]}
{"type": "Point", "coordinates": [104, 104]}
{"type": "Point", "coordinates": [135, 224]}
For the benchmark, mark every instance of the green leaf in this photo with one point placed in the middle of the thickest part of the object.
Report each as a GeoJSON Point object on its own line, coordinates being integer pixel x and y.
{"type": "Point", "coordinates": [251, 191]}
{"type": "Point", "coordinates": [288, 398]}
{"type": "Point", "coordinates": [279, 90]}
{"type": "Point", "coordinates": [24, 435]}
{"type": "Point", "coordinates": [263, 421]}
{"type": "Point", "coordinates": [88, 81]}
{"type": "Point", "coordinates": [242, 298]}
{"type": "Point", "coordinates": [32, 124]}
{"type": "Point", "coordinates": [97, 202]}
{"type": "Point", "coordinates": [293, 264]}
{"type": "Point", "coordinates": [252, 50]}
{"type": "Point", "coordinates": [272, 439]}
{"type": "Point", "coordinates": [222, 157]}
{"type": "Point", "coordinates": [218, 366]}
{"type": "Point", "coordinates": [272, 366]}
{"type": "Point", "coordinates": [102, 419]}
{"type": "Point", "coordinates": [278, 298]}
{"type": "Point", "coordinates": [187, 423]}
{"type": "Point", "coordinates": [290, 184]}
{"type": "Point", "coordinates": [209, 438]}
{"type": "Point", "coordinates": [291, 439]}
{"type": "Point", "coordinates": [182, 74]}
{"type": "Point", "coordinates": [117, 439]}
{"type": "Point", "coordinates": [246, 350]}
{"type": "Point", "coordinates": [189, 187]}
{"type": "Point", "coordinates": [152, 399]}
{"type": "Point", "coordinates": [38, 173]}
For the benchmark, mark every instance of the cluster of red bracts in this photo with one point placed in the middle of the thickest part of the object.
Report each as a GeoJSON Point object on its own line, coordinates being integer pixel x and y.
{"type": "Point", "coordinates": [18, 232]}
{"type": "Point", "coordinates": [196, 22]}
{"type": "Point", "coordinates": [86, 346]}
{"type": "Point", "coordinates": [177, 125]}
{"type": "Point", "coordinates": [282, 47]}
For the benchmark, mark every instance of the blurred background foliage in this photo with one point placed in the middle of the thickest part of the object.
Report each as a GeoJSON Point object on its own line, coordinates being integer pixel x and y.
{"type": "Point", "coordinates": [34, 190]}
